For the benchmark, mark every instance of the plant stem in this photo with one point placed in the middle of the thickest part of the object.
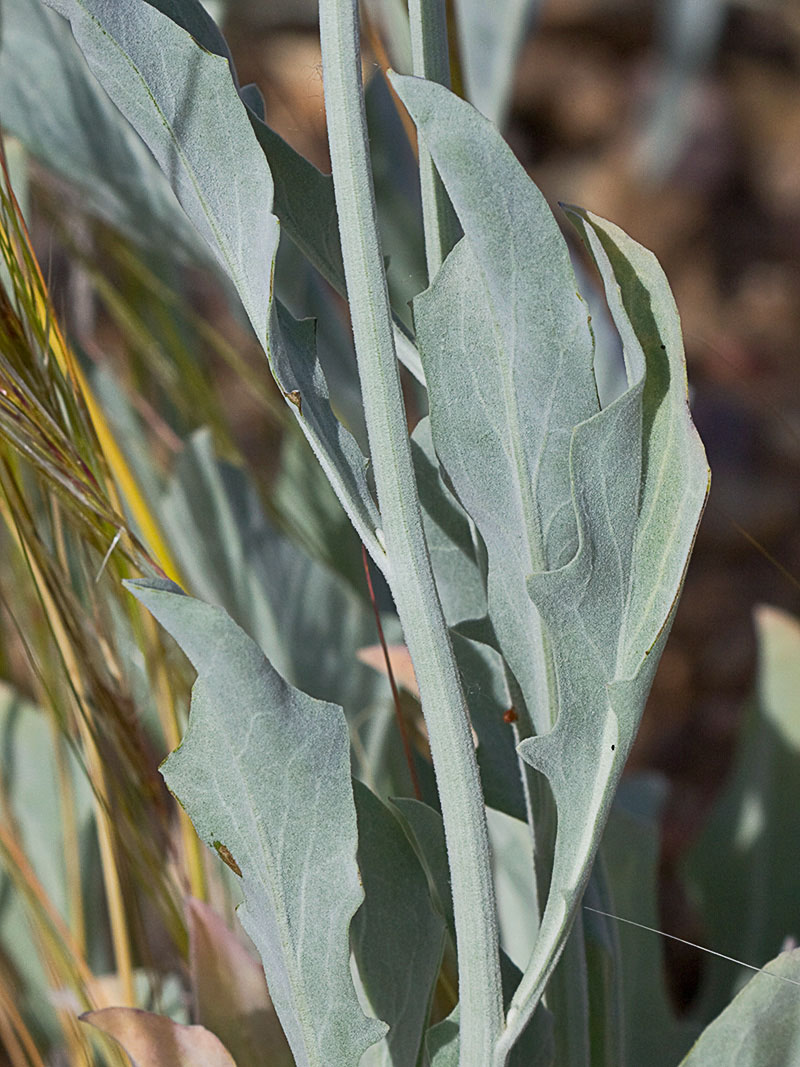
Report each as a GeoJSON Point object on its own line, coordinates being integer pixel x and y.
{"type": "Point", "coordinates": [409, 570]}
{"type": "Point", "coordinates": [429, 57]}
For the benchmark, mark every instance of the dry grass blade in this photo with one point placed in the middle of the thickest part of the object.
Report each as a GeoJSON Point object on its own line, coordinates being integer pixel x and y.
{"type": "Point", "coordinates": [62, 479]}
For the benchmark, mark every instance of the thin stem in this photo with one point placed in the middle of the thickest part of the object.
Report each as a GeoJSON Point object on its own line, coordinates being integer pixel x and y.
{"type": "Point", "coordinates": [430, 59]}
{"type": "Point", "coordinates": [409, 571]}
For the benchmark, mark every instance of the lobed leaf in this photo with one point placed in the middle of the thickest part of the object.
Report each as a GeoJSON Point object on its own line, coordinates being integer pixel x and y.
{"type": "Point", "coordinates": [640, 481]}
{"type": "Point", "coordinates": [507, 352]}
{"type": "Point", "coordinates": [232, 556]}
{"type": "Point", "coordinates": [588, 516]}
{"type": "Point", "coordinates": [264, 773]}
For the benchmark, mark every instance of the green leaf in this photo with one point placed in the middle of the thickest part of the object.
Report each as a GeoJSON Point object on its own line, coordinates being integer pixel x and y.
{"type": "Point", "coordinates": [507, 352]}
{"type": "Point", "coordinates": [590, 515]}
{"type": "Point", "coordinates": [304, 200]}
{"type": "Point", "coordinates": [264, 774]}
{"type": "Point", "coordinates": [512, 864]}
{"type": "Point", "coordinates": [483, 675]}
{"type": "Point", "coordinates": [761, 1026]}
{"type": "Point", "coordinates": [32, 801]}
{"type": "Point", "coordinates": [743, 869]}
{"type": "Point", "coordinates": [640, 481]}
{"type": "Point", "coordinates": [232, 556]}
{"type": "Point", "coordinates": [630, 851]}
{"type": "Point", "coordinates": [57, 109]}
{"type": "Point", "coordinates": [156, 1041]}
{"type": "Point", "coordinates": [230, 992]}
{"type": "Point", "coordinates": [453, 541]}
{"type": "Point", "coordinates": [490, 38]}
{"type": "Point", "coordinates": [397, 936]}
{"type": "Point", "coordinates": [181, 99]}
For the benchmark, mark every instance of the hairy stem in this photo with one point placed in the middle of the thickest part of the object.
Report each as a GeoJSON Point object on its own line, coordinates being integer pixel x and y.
{"type": "Point", "coordinates": [409, 571]}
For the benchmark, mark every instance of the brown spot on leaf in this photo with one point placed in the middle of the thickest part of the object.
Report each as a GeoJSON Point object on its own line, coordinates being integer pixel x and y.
{"type": "Point", "coordinates": [226, 857]}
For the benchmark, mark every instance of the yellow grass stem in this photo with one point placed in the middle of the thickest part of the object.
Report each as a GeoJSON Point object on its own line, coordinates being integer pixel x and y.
{"type": "Point", "coordinates": [22, 874]}
{"type": "Point", "coordinates": [15, 1035]}
{"type": "Point", "coordinates": [119, 930]}
{"type": "Point", "coordinates": [40, 310]}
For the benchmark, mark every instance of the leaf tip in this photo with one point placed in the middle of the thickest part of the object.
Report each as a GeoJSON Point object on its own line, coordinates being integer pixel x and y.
{"type": "Point", "coordinates": [137, 586]}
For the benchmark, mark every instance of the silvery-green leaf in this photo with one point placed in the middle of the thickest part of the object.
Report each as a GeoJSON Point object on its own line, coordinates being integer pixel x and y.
{"type": "Point", "coordinates": [302, 291]}
{"type": "Point", "coordinates": [483, 676]}
{"type": "Point", "coordinates": [761, 1026]}
{"type": "Point", "coordinates": [397, 936]}
{"type": "Point", "coordinates": [232, 556]}
{"type": "Point", "coordinates": [441, 1042]}
{"type": "Point", "coordinates": [303, 196]}
{"type": "Point", "coordinates": [512, 864]}
{"type": "Point", "coordinates": [295, 364]}
{"type": "Point", "coordinates": [743, 868]}
{"type": "Point", "coordinates": [640, 481]}
{"type": "Point", "coordinates": [490, 37]}
{"type": "Point", "coordinates": [451, 535]}
{"type": "Point", "coordinates": [630, 851]}
{"type": "Point", "coordinates": [286, 824]}
{"type": "Point", "coordinates": [425, 831]}
{"type": "Point", "coordinates": [307, 508]}
{"type": "Point", "coordinates": [593, 512]}
{"type": "Point", "coordinates": [57, 109]}
{"type": "Point", "coordinates": [397, 196]}
{"type": "Point", "coordinates": [29, 775]}
{"type": "Point", "coordinates": [507, 351]}
{"type": "Point", "coordinates": [181, 99]}
{"type": "Point", "coordinates": [182, 102]}
{"type": "Point", "coordinates": [458, 564]}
